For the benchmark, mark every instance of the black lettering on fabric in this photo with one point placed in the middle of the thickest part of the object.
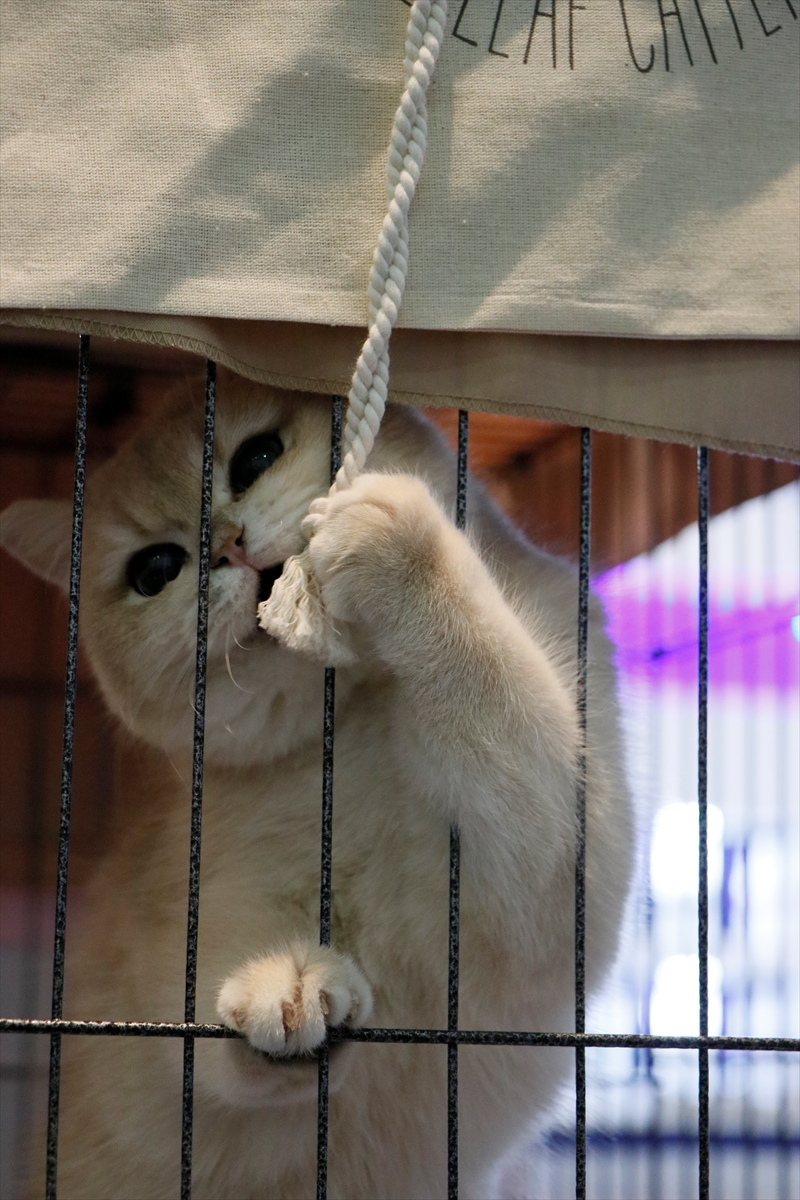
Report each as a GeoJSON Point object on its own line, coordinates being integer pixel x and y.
{"type": "Point", "coordinates": [634, 59]}
{"type": "Point", "coordinates": [674, 12]}
{"type": "Point", "coordinates": [572, 8]}
{"type": "Point", "coordinates": [549, 16]}
{"type": "Point", "coordinates": [492, 50]}
{"type": "Point", "coordinates": [459, 18]}
{"type": "Point", "coordinates": [732, 15]}
{"type": "Point", "coordinates": [767, 32]}
{"type": "Point", "coordinates": [642, 54]}
{"type": "Point", "coordinates": [709, 43]}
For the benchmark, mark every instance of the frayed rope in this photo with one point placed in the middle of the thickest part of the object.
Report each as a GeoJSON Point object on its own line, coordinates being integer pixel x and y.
{"type": "Point", "coordinates": [294, 612]}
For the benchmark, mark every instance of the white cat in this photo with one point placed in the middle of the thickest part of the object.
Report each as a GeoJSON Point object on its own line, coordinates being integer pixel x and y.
{"type": "Point", "coordinates": [461, 708]}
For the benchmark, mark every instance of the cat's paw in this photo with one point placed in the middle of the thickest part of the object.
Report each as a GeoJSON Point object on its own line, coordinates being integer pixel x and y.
{"type": "Point", "coordinates": [373, 541]}
{"type": "Point", "coordinates": [283, 1003]}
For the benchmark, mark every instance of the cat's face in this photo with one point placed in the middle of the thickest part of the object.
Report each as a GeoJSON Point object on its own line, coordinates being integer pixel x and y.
{"type": "Point", "coordinates": [140, 566]}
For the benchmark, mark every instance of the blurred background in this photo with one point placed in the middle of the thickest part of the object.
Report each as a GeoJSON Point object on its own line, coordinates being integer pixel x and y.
{"type": "Point", "coordinates": [642, 1106]}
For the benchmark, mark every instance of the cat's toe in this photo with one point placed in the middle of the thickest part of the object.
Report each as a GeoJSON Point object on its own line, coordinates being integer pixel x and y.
{"type": "Point", "coordinates": [259, 1007]}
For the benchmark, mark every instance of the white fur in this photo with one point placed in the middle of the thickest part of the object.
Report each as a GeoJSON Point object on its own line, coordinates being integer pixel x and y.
{"type": "Point", "coordinates": [460, 707]}
{"type": "Point", "coordinates": [282, 1003]}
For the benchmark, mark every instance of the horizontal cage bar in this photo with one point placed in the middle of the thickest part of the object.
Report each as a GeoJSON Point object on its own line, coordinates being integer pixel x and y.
{"type": "Point", "coordinates": [465, 1037]}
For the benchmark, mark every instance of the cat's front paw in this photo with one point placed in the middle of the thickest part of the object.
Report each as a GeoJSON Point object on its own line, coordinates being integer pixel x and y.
{"type": "Point", "coordinates": [372, 542]}
{"type": "Point", "coordinates": [283, 1003]}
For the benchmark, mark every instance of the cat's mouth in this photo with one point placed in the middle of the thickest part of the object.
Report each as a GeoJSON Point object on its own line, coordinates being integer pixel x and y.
{"type": "Point", "coordinates": [266, 579]}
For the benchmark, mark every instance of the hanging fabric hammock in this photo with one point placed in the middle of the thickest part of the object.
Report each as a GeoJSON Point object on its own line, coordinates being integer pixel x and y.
{"type": "Point", "coordinates": [212, 177]}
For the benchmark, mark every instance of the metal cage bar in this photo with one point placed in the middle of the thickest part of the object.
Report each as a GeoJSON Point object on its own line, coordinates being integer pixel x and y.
{"type": "Point", "coordinates": [452, 1036]}
{"type": "Point", "coordinates": [703, 1146]}
{"type": "Point", "coordinates": [326, 856]}
{"type": "Point", "coordinates": [67, 757]}
{"type": "Point", "coordinates": [580, 848]}
{"type": "Point", "coordinates": [198, 739]}
{"type": "Point", "coordinates": [426, 1037]}
{"type": "Point", "coordinates": [454, 897]}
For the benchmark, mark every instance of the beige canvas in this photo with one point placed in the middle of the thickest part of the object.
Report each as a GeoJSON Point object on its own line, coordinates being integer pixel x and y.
{"type": "Point", "coordinates": [735, 395]}
{"type": "Point", "coordinates": [624, 167]}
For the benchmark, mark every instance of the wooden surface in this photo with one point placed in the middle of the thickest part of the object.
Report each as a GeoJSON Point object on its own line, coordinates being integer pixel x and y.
{"type": "Point", "coordinates": [643, 492]}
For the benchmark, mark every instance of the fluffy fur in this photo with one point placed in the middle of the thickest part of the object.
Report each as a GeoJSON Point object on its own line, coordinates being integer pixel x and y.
{"type": "Point", "coordinates": [460, 708]}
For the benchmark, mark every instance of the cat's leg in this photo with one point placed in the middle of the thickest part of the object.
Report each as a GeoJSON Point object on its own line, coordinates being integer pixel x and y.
{"type": "Point", "coordinates": [491, 714]}
{"type": "Point", "coordinates": [284, 1002]}
{"type": "Point", "coordinates": [486, 734]}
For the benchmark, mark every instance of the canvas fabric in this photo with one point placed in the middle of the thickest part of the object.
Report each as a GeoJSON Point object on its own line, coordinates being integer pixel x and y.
{"type": "Point", "coordinates": [741, 395]}
{"type": "Point", "coordinates": [625, 169]}
{"type": "Point", "coordinates": [621, 167]}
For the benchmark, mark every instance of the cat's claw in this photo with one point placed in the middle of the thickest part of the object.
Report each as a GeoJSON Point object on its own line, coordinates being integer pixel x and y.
{"type": "Point", "coordinates": [284, 1003]}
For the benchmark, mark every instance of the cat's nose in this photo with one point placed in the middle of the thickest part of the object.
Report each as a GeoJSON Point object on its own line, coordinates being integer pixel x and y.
{"type": "Point", "coordinates": [229, 548]}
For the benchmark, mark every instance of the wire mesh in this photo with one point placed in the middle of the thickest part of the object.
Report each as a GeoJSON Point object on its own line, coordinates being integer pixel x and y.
{"type": "Point", "coordinates": [452, 1036]}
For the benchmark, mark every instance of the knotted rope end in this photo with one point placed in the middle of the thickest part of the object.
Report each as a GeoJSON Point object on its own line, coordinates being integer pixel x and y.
{"type": "Point", "coordinates": [296, 617]}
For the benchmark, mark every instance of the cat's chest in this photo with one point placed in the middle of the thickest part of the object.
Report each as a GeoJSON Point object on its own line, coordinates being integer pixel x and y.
{"type": "Point", "coordinates": [260, 875]}
{"type": "Point", "coordinates": [262, 829]}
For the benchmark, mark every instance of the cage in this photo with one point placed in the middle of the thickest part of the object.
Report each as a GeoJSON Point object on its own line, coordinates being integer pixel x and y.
{"type": "Point", "coordinates": [633, 455]}
{"type": "Point", "coordinates": [647, 1143]}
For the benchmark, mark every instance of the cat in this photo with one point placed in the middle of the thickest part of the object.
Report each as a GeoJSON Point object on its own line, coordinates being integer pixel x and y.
{"type": "Point", "coordinates": [460, 708]}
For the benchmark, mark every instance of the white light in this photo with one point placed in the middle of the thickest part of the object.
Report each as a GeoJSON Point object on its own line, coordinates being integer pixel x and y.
{"type": "Point", "coordinates": [674, 850]}
{"type": "Point", "coordinates": [675, 999]}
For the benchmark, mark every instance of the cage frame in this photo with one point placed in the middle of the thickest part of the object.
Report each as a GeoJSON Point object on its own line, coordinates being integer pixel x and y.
{"type": "Point", "coordinates": [453, 1036]}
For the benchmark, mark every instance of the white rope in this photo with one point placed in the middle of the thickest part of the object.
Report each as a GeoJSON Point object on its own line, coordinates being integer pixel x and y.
{"type": "Point", "coordinates": [294, 612]}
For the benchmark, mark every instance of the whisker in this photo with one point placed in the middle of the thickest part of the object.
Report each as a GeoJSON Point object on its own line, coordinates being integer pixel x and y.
{"type": "Point", "coordinates": [230, 672]}
{"type": "Point", "coordinates": [176, 770]}
{"type": "Point", "coordinates": [228, 635]}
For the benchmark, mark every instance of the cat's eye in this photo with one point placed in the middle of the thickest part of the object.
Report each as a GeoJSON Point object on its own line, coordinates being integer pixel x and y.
{"type": "Point", "coordinates": [150, 570]}
{"type": "Point", "coordinates": [252, 459]}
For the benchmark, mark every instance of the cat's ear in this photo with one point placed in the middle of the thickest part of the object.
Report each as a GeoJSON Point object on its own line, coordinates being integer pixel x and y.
{"type": "Point", "coordinates": [39, 534]}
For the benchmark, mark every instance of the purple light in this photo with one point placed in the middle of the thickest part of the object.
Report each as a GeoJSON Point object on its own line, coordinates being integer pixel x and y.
{"type": "Point", "coordinates": [657, 635]}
